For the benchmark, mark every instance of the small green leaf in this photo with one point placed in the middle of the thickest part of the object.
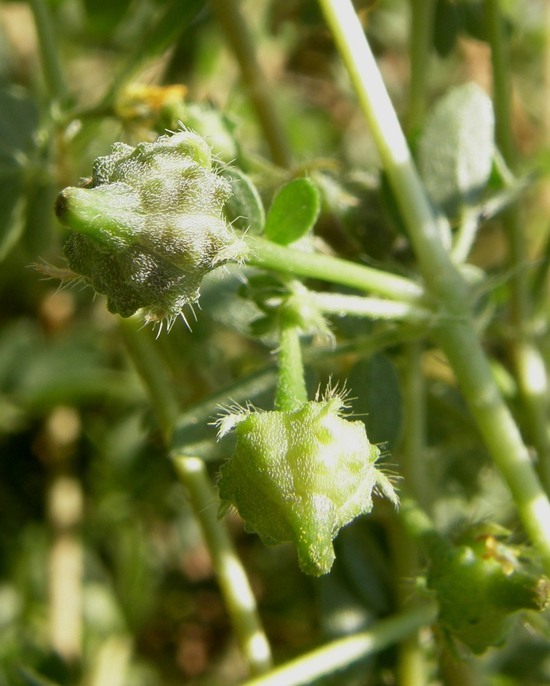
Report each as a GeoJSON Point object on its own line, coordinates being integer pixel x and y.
{"type": "Point", "coordinates": [456, 147]}
{"type": "Point", "coordinates": [293, 212]}
{"type": "Point", "coordinates": [244, 209]}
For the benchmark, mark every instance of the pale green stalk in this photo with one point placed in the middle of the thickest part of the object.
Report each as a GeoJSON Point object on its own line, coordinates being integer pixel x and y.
{"type": "Point", "coordinates": [465, 235]}
{"type": "Point", "coordinates": [192, 473]}
{"type": "Point", "coordinates": [269, 255]}
{"type": "Point", "coordinates": [455, 331]}
{"type": "Point", "coordinates": [423, 225]}
{"type": "Point", "coordinates": [344, 652]}
{"type": "Point", "coordinates": [372, 308]}
{"type": "Point", "coordinates": [291, 385]}
{"type": "Point", "coordinates": [411, 662]}
{"type": "Point", "coordinates": [234, 584]}
{"type": "Point", "coordinates": [527, 357]}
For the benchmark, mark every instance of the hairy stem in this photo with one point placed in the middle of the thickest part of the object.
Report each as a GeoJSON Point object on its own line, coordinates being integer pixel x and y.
{"type": "Point", "coordinates": [291, 385]}
{"type": "Point", "coordinates": [372, 308]}
{"type": "Point", "coordinates": [268, 255]}
{"type": "Point", "coordinates": [233, 581]}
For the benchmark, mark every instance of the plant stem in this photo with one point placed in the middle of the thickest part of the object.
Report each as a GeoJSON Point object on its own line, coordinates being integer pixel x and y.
{"type": "Point", "coordinates": [425, 227]}
{"type": "Point", "coordinates": [519, 295]}
{"type": "Point", "coordinates": [526, 355]}
{"type": "Point", "coordinates": [233, 581]}
{"type": "Point", "coordinates": [344, 652]}
{"type": "Point", "coordinates": [268, 255]}
{"type": "Point", "coordinates": [153, 373]}
{"type": "Point", "coordinates": [533, 386]}
{"type": "Point", "coordinates": [291, 385]}
{"type": "Point", "coordinates": [411, 666]}
{"type": "Point", "coordinates": [420, 41]}
{"type": "Point", "coordinates": [499, 431]}
{"type": "Point", "coordinates": [455, 332]}
{"type": "Point", "coordinates": [48, 51]}
{"type": "Point", "coordinates": [466, 234]}
{"type": "Point", "coordinates": [373, 308]}
{"type": "Point", "coordinates": [502, 91]}
{"type": "Point", "coordinates": [238, 36]}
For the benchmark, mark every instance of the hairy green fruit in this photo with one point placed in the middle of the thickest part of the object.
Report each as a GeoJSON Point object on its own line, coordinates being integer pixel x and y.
{"type": "Point", "coordinates": [300, 476]}
{"type": "Point", "coordinates": [149, 225]}
{"type": "Point", "coordinates": [480, 588]}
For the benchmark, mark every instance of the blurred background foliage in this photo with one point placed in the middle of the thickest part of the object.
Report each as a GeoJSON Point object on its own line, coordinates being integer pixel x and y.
{"type": "Point", "coordinates": [104, 578]}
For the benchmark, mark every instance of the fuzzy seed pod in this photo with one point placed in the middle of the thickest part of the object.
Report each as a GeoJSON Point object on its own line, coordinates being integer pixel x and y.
{"type": "Point", "coordinates": [301, 476]}
{"type": "Point", "coordinates": [480, 590]}
{"type": "Point", "coordinates": [150, 225]}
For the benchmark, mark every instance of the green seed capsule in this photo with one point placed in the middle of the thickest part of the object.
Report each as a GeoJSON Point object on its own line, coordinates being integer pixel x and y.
{"type": "Point", "coordinates": [301, 476]}
{"type": "Point", "coordinates": [150, 225]}
{"type": "Point", "coordinates": [480, 589]}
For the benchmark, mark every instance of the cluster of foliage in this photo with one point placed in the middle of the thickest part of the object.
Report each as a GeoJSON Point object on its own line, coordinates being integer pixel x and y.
{"type": "Point", "coordinates": [283, 368]}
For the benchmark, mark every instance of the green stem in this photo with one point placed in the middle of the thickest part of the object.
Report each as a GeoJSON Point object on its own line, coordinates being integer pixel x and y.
{"type": "Point", "coordinates": [344, 652]}
{"type": "Point", "coordinates": [48, 51]}
{"type": "Point", "coordinates": [466, 235]}
{"type": "Point", "coordinates": [237, 33]}
{"type": "Point", "coordinates": [268, 255]}
{"type": "Point", "coordinates": [425, 228]}
{"type": "Point", "coordinates": [373, 308]}
{"type": "Point", "coordinates": [456, 332]}
{"type": "Point", "coordinates": [291, 385]}
{"type": "Point", "coordinates": [502, 91]}
{"type": "Point", "coordinates": [499, 430]}
{"type": "Point", "coordinates": [525, 354]}
{"type": "Point", "coordinates": [533, 385]}
{"type": "Point", "coordinates": [233, 581]}
{"type": "Point", "coordinates": [411, 667]}
{"type": "Point", "coordinates": [420, 42]}
{"type": "Point", "coordinates": [153, 373]}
